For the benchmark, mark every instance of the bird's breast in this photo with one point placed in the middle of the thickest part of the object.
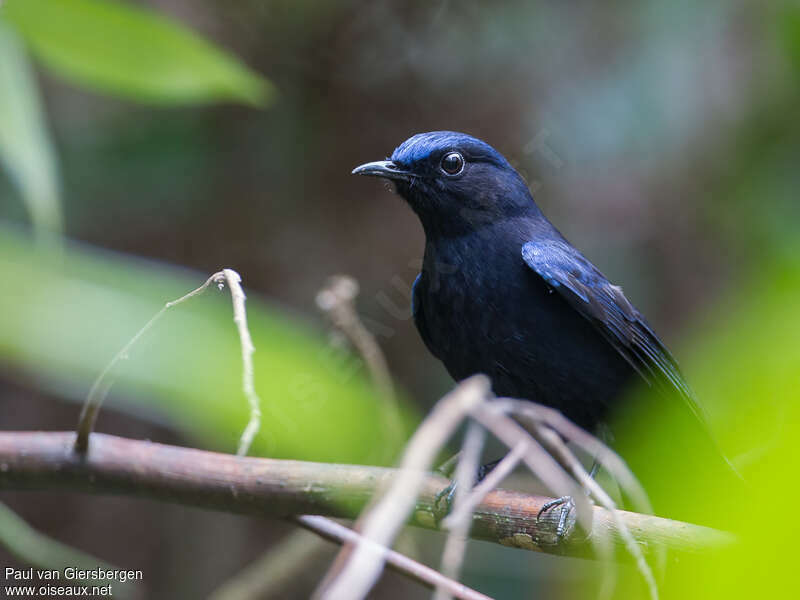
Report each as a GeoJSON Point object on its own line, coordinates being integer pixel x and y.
{"type": "Point", "coordinates": [476, 297]}
{"type": "Point", "coordinates": [486, 312]}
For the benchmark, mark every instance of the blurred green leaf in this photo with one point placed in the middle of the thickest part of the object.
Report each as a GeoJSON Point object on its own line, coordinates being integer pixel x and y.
{"type": "Point", "coordinates": [25, 147]}
{"type": "Point", "coordinates": [129, 51]}
{"type": "Point", "coordinates": [789, 27]}
{"type": "Point", "coordinates": [32, 547]}
{"type": "Point", "coordinates": [62, 321]}
{"type": "Point", "coordinates": [745, 366]}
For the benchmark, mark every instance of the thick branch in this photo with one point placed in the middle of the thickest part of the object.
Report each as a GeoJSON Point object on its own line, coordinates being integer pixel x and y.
{"type": "Point", "coordinates": [282, 488]}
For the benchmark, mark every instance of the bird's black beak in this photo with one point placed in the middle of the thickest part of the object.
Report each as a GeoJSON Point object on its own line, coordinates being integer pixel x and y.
{"type": "Point", "coordinates": [383, 168]}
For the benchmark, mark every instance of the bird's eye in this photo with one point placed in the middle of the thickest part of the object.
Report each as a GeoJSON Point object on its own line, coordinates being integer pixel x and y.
{"type": "Point", "coordinates": [452, 163]}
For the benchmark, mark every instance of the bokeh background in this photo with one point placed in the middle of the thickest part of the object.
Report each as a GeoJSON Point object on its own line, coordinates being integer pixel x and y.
{"type": "Point", "coordinates": [663, 140]}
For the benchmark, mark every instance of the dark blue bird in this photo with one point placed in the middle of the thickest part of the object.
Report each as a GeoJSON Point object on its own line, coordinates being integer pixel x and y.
{"type": "Point", "coordinates": [502, 292]}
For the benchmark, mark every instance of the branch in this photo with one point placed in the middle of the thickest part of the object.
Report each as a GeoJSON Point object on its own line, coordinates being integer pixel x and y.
{"type": "Point", "coordinates": [281, 488]}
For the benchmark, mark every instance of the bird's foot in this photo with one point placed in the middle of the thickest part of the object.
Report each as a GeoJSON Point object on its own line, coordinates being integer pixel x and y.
{"type": "Point", "coordinates": [448, 494]}
{"type": "Point", "coordinates": [446, 497]}
{"type": "Point", "coordinates": [567, 505]}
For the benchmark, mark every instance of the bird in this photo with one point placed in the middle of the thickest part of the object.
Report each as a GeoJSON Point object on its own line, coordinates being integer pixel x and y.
{"type": "Point", "coordinates": [502, 292]}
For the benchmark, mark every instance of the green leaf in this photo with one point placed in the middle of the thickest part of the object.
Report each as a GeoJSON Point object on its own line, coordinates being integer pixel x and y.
{"type": "Point", "coordinates": [132, 52]}
{"type": "Point", "coordinates": [63, 319]}
{"type": "Point", "coordinates": [25, 147]}
{"type": "Point", "coordinates": [745, 368]}
{"type": "Point", "coordinates": [34, 548]}
{"type": "Point", "coordinates": [789, 28]}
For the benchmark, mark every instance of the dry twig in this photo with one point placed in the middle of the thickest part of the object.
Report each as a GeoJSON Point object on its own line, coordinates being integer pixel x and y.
{"type": "Point", "coordinates": [394, 560]}
{"type": "Point", "coordinates": [102, 385]}
{"type": "Point", "coordinates": [544, 423]}
{"type": "Point", "coordinates": [233, 280]}
{"type": "Point", "coordinates": [503, 469]}
{"type": "Point", "coordinates": [359, 566]}
{"type": "Point", "coordinates": [104, 381]}
{"type": "Point", "coordinates": [337, 300]}
{"type": "Point", "coordinates": [456, 544]}
{"type": "Point", "coordinates": [534, 414]}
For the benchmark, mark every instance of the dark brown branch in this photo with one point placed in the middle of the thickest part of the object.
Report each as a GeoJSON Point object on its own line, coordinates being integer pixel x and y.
{"type": "Point", "coordinates": [283, 488]}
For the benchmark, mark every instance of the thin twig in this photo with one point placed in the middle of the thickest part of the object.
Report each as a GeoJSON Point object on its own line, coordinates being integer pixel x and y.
{"type": "Point", "coordinates": [557, 446]}
{"type": "Point", "coordinates": [358, 566]}
{"type": "Point", "coordinates": [559, 450]}
{"type": "Point", "coordinates": [104, 382]}
{"type": "Point", "coordinates": [537, 459]}
{"type": "Point", "coordinates": [248, 382]}
{"type": "Point", "coordinates": [398, 562]}
{"type": "Point", "coordinates": [101, 386]}
{"type": "Point", "coordinates": [541, 417]}
{"type": "Point", "coordinates": [337, 301]}
{"type": "Point", "coordinates": [595, 448]}
{"type": "Point", "coordinates": [503, 469]}
{"type": "Point", "coordinates": [455, 546]}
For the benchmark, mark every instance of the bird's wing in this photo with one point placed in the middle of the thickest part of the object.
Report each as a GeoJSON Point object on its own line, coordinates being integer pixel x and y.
{"type": "Point", "coordinates": [419, 315]}
{"type": "Point", "coordinates": [604, 305]}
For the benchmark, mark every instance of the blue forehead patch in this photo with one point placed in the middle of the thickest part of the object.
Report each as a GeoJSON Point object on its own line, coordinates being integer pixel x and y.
{"type": "Point", "coordinates": [419, 147]}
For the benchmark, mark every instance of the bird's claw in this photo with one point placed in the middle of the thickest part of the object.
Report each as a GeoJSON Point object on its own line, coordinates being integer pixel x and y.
{"type": "Point", "coordinates": [567, 505]}
{"type": "Point", "coordinates": [447, 494]}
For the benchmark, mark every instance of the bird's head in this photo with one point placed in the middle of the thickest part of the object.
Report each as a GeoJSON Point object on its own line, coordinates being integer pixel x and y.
{"type": "Point", "coordinates": [454, 182]}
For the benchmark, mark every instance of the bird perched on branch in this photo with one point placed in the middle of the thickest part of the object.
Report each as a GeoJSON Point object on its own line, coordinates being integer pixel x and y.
{"type": "Point", "coordinates": [502, 292]}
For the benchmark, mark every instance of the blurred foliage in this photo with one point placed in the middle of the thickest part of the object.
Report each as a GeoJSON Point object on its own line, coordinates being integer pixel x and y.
{"type": "Point", "coordinates": [25, 146]}
{"type": "Point", "coordinates": [35, 548]}
{"type": "Point", "coordinates": [788, 18]}
{"type": "Point", "coordinates": [62, 320]}
{"type": "Point", "coordinates": [107, 46]}
{"type": "Point", "coordinates": [128, 51]}
{"type": "Point", "coordinates": [745, 362]}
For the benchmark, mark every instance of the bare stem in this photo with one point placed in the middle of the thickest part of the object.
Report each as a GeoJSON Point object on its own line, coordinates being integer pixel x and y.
{"type": "Point", "coordinates": [248, 382]}
{"type": "Point", "coordinates": [337, 301]}
{"type": "Point", "coordinates": [503, 469]}
{"type": "Point", "coordinates": [456, 545]}
{"type": "Point", "coordinates": [359, 566]}
{"type": "Point", "coordinates": [431, 578]}
{"type": "Point", "coordinates": [280, 488]}
{"type": "Point", "coordinates": [101, 386]}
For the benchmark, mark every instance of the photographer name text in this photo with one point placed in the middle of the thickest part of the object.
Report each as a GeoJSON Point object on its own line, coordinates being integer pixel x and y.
{"type": "Point", "coordinates": [73, 574]}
